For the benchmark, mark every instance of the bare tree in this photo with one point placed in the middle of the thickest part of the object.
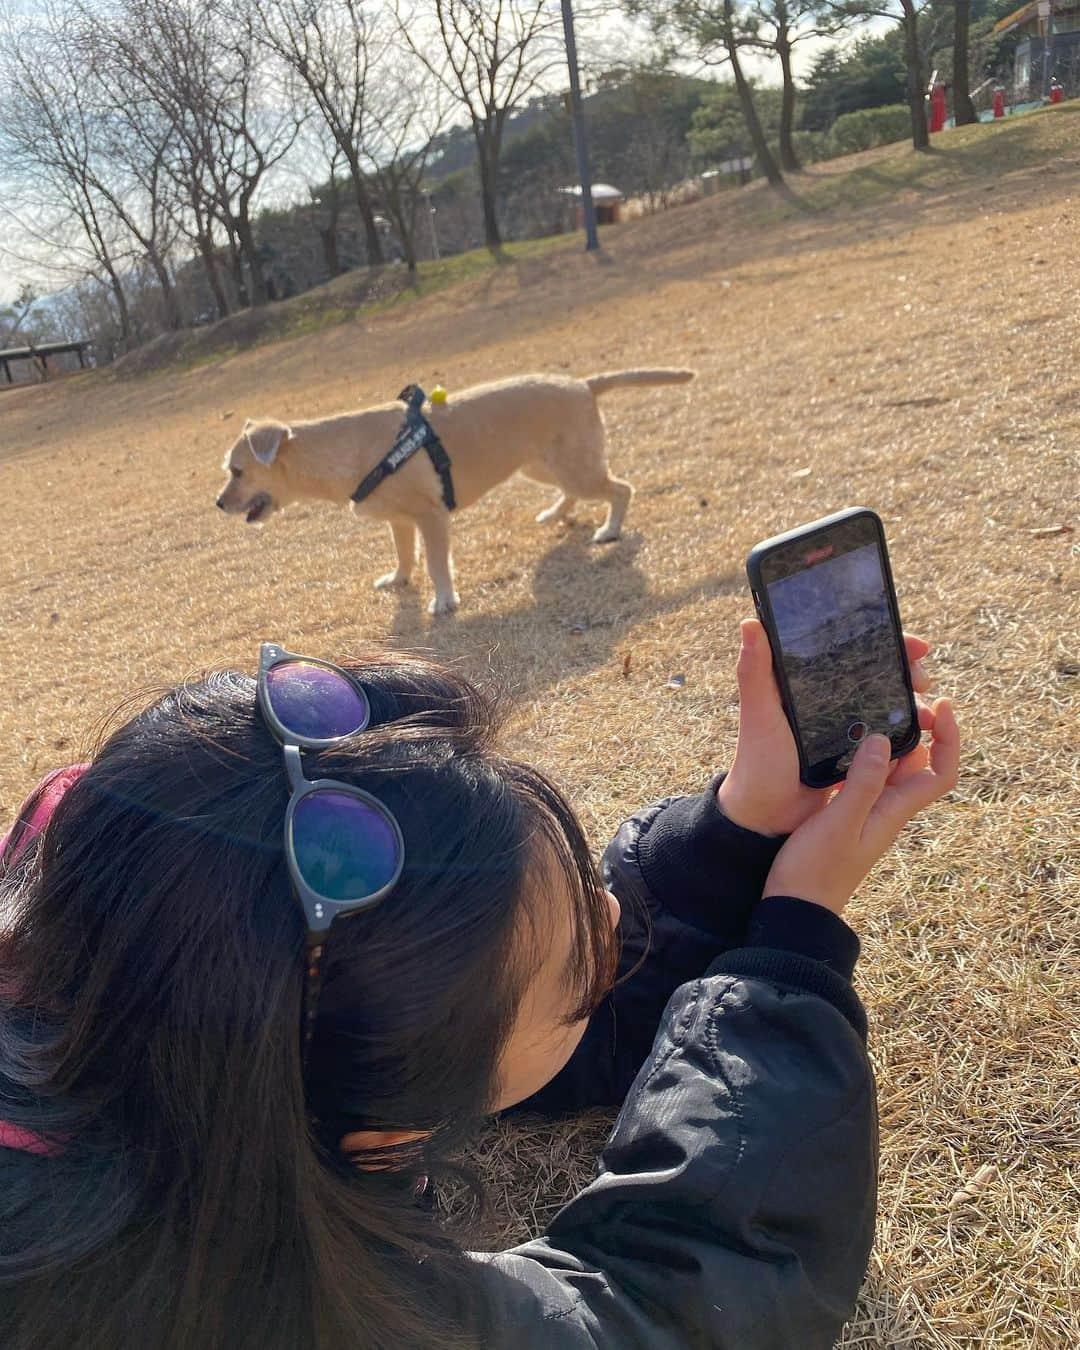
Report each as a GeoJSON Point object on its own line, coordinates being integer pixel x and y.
{"type": "Point", "coordinates": [135, 143]}
{"type": "Point", "coordinates": [325, 200]}
{"type": "Point", "coordinates": [250, 134]}
{"type": "Point", "coordinates": [203, 71]}
{"type": "Point", "coordinates": [15, 318]}
{"type": "Point", "coordinates": [49, 129]}
{"type": "Point", "coordinates": [406, 114]}
{"type": "Point", "coordinates": [332, 48]}
{"type": "Point", "coordinates": [489, 56]}
{"type": "Point", "coordinates": [165, 52]}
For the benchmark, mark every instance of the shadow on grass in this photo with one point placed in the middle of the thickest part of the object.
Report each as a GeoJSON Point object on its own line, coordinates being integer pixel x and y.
{"type": "Point", "coordinates": [584, 600]}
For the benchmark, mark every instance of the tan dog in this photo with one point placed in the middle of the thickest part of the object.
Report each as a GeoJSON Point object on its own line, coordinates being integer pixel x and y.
{"type": "Point", "coordinates": [548, 427]}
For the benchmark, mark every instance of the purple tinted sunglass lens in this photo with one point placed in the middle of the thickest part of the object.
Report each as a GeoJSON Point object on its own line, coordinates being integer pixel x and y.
{"type": "Point", "coordinates": [314, 703]}
{"type": "Point", "coordinates": [345, 848]}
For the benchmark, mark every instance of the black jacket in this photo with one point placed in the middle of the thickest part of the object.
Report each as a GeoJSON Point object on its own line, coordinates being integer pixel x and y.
{"type": "Point", "coordinates": [734, 1202]}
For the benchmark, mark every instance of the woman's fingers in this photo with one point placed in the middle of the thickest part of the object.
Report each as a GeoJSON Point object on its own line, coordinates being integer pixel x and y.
{"type": "Point", "coordinates": [945, 746]}
{"type": "Point", "coordinates": [917, 789]}
{"type": "Point", "coordinates": [913, 762]}
{"type": "Point", "coordinates": [917, 648]}
{"type": "Point", "coordinates": [863, 785]}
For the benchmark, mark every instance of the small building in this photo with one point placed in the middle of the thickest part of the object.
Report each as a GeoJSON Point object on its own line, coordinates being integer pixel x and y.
{"type": "Point", "coordinates": [1048, 48]}
{"type": "Point", "coordinates": [607, 201]}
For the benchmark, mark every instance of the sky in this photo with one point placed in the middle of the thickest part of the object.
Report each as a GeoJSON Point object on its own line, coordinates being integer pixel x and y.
{"type": "Point", "coordinates": [809, 606]}
{"type": "Point", "coordinates": [617, 37]}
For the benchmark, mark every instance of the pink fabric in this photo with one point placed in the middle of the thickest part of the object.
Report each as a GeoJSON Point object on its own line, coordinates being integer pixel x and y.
{"type": "Point", "coordinates": [49, 792]}
{"type": "Point", "coordinates": [26, 1141]}
{"type": "Point", "coordinates": [51, 788]}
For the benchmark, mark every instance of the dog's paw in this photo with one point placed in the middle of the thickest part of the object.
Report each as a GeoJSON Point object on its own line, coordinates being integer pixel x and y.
{"type": "Point", "coordinates": [604, 536]}
{"type": "Point", "coordinates": [551, 513]}
{"type": "Point", "coordinates": [444, 604]}
{"type": "Point", "coordinates": [391, 582]}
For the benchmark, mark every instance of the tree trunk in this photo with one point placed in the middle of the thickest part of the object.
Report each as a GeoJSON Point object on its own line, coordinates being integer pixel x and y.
{"type": "Point", "coordinates": [213, 273]}
{"type": "Point", "coordinates": [116, 286]}
{"type": "Point", "coordinates": [407, 233]}
{"type": "Point", "coordinates": [789, 160]}
{"type": "Point", "coordinates": [328, 237]}
{"type": "Point", "coordinates": [765, 159]}
{"type": "Point", "coordinates": [963, 107]}
{"type": "Point", "coordinates": [236, 265]}
{"type": "Point", "coordinates": [169, 301]}
{"type": "Point", "coordinates": [920, 132]}
{"type": "Point", "coordinates": [121, 307]}
{"type": "Point", "coordinates": [260, 292]}
{"type": "Point", "coordinates": [328, 233]}
{"type": "Point", "coordinates": [487, 160]}
{"type": "Point", "coordinates": [372, 238]}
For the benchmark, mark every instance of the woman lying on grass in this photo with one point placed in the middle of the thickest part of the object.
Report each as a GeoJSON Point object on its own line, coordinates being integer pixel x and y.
{"type": "Point", "coordinates": [219, 1118]}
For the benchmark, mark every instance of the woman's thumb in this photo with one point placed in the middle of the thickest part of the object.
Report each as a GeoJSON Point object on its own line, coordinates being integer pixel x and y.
{"type": "Point", "coordinates": [865, 779]}
{"type": "Point", "coordinates": [758, 693]}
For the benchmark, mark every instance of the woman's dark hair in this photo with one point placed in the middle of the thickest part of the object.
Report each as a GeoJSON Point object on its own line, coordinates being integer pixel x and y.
{"type": "Point", "coordinates": [150, 993]}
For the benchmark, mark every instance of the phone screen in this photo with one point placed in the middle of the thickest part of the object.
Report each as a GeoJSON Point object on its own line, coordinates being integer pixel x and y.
{"type": "Point", "coordinates": [840, 643]}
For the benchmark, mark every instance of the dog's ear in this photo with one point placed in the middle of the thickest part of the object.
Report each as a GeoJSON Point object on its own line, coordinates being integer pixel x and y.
{"type": "Point", "coordinates": [263, 441]}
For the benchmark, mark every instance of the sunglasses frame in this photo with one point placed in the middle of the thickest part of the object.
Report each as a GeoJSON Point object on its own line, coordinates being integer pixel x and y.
{"type": "Point", "coordinates": [319, 911]}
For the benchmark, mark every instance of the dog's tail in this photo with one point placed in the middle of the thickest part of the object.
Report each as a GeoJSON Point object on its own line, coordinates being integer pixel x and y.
{"type": "Point", "coordinates": [618, 379]}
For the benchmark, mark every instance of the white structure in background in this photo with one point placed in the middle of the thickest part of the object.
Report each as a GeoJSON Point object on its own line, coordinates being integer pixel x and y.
{"type": "Point", "coordinates": [711, 178]}
{"type": "Point", "coordinates": [606, 199]}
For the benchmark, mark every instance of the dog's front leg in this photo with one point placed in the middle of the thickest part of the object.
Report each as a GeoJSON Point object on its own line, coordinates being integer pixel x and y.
{"type": "Point", "coordinates": [435, 529]}
{"type": "Point", "coordinates": [408, 551]}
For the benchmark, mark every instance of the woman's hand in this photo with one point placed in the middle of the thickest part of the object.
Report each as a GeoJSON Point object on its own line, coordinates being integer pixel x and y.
{"type": "Point", "coordinates": [831, 852]}
{"type": "Point", "coordinates": [762, 792]}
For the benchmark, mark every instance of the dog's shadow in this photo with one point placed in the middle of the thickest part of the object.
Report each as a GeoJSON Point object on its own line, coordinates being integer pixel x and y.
{"type": "Point", "coordinates": [584, 599]}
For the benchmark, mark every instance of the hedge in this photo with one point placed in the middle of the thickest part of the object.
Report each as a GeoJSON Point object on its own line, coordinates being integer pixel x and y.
{"type": "Point", "coordinates": [868, 127]}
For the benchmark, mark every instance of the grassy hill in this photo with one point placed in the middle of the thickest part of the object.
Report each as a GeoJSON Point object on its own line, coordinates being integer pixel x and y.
{"type": "Point", "coordinates": [1009, 159]}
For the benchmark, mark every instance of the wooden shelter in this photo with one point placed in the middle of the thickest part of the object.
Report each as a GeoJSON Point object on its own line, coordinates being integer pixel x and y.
{"type": "Point", "coordinates": [39, 356]}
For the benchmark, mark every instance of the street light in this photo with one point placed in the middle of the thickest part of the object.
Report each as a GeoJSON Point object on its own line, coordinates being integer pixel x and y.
{"type": "Point", "coordinates": [577, 119]}
{"type": "Point", "coordinates": [431, 221]}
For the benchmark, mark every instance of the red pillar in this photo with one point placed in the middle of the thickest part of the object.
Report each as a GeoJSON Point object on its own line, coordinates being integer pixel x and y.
{"type": "Point", "coordinates": [999, 103]}
{"type": "Point", "coordinates": [937, 108]}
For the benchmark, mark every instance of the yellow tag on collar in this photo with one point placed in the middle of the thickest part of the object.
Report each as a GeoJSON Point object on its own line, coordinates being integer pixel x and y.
{"type": "Point", "coordinates": [438, 394]}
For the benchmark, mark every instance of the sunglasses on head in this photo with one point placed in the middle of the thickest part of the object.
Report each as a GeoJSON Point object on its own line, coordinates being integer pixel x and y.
{"type": "Point", "coordinates": [343, 848]}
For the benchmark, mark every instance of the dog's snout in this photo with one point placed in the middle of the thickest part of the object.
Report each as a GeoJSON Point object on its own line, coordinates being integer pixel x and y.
{"type": "Point", "coordinates": [221, 503]}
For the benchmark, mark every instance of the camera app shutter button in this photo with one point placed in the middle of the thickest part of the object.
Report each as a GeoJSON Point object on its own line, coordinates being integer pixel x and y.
{"type": "Point", "coordinates": [856, 732]}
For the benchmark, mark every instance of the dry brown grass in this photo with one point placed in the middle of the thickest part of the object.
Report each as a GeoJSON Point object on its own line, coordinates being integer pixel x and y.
{"type": "Point", "coordinates": [920, 355]}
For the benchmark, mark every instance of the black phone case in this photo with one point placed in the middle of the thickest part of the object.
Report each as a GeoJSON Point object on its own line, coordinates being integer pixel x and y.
{"type": "Point", "coordinates": [764, 613]}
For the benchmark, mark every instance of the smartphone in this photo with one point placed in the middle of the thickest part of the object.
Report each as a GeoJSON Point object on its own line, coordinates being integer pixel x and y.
{"type": "Point", "coordinates": [824, 594]}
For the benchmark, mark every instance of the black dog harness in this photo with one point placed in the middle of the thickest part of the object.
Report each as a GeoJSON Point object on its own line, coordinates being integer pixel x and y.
{"type": "Point", "coordinates": [416, 433]}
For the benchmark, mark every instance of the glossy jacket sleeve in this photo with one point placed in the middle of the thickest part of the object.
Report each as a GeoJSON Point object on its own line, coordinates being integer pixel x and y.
{"type": "Point", "coordinates": [734, 1204]}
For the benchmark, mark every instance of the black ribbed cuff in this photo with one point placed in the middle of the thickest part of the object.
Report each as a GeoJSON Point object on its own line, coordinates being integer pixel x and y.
{"type": "Point", "coordinates": [704, 868]}
{"type": "Point", "coordinates": [807, 929]}
{"type": "Point", "coordinates": [795, 972]}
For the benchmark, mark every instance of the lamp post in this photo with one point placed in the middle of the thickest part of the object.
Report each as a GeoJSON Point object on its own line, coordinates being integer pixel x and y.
{"type": "Point", "coordinates": [578, 122]}
{"type": "Point", "coordinates": [431, 221]}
